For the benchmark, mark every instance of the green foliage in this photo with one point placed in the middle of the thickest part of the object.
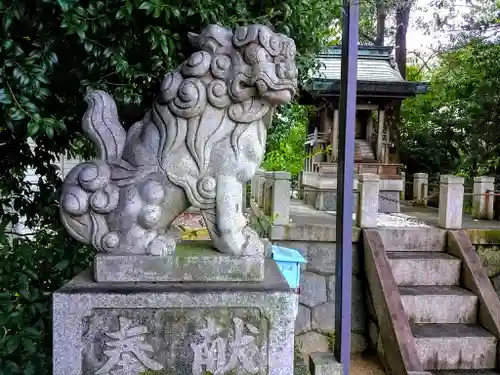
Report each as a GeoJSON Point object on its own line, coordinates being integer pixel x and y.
{"type": "Point", "coordinates": [261, 223]}
{"type": "Point", "coordinates": [455, 126]}
{"type": "Point", "coordinates": [285, 146]}
{"type": "Point", "coordinates": [31, 271]}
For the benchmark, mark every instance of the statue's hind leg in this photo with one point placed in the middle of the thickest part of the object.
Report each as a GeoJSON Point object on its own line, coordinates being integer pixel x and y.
{"type": "Point", "coordinates": [144, 214]}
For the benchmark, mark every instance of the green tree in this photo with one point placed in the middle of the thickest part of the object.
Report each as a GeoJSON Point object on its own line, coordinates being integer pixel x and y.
{"type": "Point", "coordinates": [455, 126]}
{"type": "Point", "coordinates": [285, 146]}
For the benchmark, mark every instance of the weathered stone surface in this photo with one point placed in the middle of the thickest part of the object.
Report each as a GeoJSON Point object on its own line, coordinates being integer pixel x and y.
{"type": "Point", "coordinates": [194, 261]}
{"type": "Point", "coordinates": [323, 317]}
{"type": "Point", "coordinates": [309, 232]}
{"type": "Point", "coordinates": [330, 288]}
{"type": "Point", "coordinates": [186, 151]}
{"type": "Point", "coordinates": [312, 289]}
{"type": "Point", "coordinates": [496, 284]}
{"type": "Point", "coordinates": [373, 334]}
{"type": "Point", "coordinates": [358, 342]}
{"type": "Point", "coordinates": [312, 342]}
{"type": "Point", "coordinates": [303, 321]}
{"type": "Point", "coordinates": [325, 364]}
{"type": "Point", "coordinates": [165, 326]}
{"type": "Point", "coordinates": [358, 308]}
{"type": "Point", "coordinates": [369, 305]}
{"type": "Point", "coordinates": [357, 264]}
{"type": "Point", "coordinates": [490, 255]}
{"type": "Point", "coordinates": [321, 258]}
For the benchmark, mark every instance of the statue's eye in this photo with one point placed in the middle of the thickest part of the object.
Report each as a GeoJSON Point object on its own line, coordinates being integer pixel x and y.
{"type": "Point", "coordinates": [281, 70]}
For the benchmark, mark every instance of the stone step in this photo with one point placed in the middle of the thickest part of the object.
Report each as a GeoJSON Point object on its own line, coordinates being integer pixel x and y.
{"type": "Point", "coordinates": [466, 372]}
{"type": "Point", "coordinates": [424, 268]}
{"type": "Point", "coordinates": [439, 304]}
{"type": "Point", "coordinates": [414, 239]}
{"type": "Point", "coordinates": [455, 346]}
{"type": "Point", "coordinates": [363, 150]}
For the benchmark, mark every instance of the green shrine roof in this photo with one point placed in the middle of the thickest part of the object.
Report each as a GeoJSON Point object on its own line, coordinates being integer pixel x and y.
{"type": "Point", "coordinates": [374, 64]}
{"type": "Point", "coordinates": [377, 74]}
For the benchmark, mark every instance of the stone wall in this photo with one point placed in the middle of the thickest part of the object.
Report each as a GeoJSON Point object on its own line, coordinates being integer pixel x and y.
{"type": "Point", "coordinates": [315, 324]}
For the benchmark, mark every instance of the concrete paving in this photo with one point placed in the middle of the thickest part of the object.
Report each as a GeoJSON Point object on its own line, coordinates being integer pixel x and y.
{"type": "Point", "coordinates": [410, 216]}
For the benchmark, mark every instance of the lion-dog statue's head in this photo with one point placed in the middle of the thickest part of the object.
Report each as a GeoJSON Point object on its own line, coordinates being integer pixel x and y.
{"type": "Point", "coordinates": [212, 113]}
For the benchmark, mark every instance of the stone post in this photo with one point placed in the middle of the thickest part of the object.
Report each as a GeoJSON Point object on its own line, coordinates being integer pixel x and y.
{"type": "Point", "coordinates": [421, 188]}
{"type": "Point", "coordinates": [280, 206]}
{"type": "Point", "coordinates": [451, 201]}
{"type": "Point", "coordinates": [255, 185]}
{"type": "Point", "coordinates": [482, 198]}
{"type": "Point", "coordinates": [268, 189]}
{"type": "Point", "coordinates": [368, 200]}
{"type": "Point", "coordinates": [260, 188]}
{"type": "Point", "coordinates": [244, 197]}
{"type": "Point", "coordinates": [300, 185]}
{"type": "Point", "coordinates": [403, 192]}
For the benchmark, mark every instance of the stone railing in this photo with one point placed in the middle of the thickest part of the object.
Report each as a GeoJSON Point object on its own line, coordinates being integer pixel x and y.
{"type": "Point", "coordinates": [450, 193]}
{"type": "Point", "coordinates": [272, 193]}
{"type": "Point", "coordinates": [483, 193]}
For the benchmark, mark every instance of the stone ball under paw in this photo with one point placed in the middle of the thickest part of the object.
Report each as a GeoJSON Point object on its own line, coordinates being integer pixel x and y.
{"type": "Point", "coordinates": [153, 192]}
{"type": "Point", "coordinates": [162, 245]}
{"type": "Point", "coordinates": [149, 217]}
{"type": "Point", "coordinates": [110, 241]}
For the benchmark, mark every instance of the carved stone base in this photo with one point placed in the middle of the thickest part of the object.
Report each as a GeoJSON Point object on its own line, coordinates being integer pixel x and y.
{"type": "Point", "coordinates": [174, 328]}
{"type": "Point", "coordinates": [196, 261]}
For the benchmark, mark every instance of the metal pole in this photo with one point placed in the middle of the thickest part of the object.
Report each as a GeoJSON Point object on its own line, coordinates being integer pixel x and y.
{"type": "Point", "coordinates": [345, 178]}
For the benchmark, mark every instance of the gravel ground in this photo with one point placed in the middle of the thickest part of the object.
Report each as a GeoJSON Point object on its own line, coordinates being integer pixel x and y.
{"type": "Point", "coordinates": [365, 365]}
{"type": "Point", "coordinates": [194, 220]}
{"type": "Point", "coordinates": [399, 220]}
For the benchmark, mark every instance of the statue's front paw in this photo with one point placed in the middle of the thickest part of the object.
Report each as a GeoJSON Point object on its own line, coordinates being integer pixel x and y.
{"type": "Point", "coordinates": [253, 245]}
{"type": "Point", "coordinates": [161, 246]}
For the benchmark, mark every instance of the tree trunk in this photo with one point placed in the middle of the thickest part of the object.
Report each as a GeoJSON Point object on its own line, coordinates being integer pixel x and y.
{"type": "Point", "coordinates": [381, 17]}
{"type": "Point", "coordinates": [402, 21]}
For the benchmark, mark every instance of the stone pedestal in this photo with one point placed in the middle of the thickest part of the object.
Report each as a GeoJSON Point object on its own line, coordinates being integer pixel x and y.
{"type": "Point", "coordinates": [267, 198]}
{"type": "Point", "coordinates": [451, 202]}
{"type": "Point", "coordinates": [174, 328]}
{"type": "Point", "coordinates": [483, 197]}
{"type": "Point", "coordinates": [368, 200]}
{"type": "Point", "coordinates": [280, 206]}
{"type": "Point", "coordinates": [192, 261]}
{"type": "Point", "coordinates": [257, 182]}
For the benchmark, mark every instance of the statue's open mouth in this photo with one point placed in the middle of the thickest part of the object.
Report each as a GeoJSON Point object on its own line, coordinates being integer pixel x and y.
{"type": "Point", "coordinates": [279, 97]}
{"type": "Point", "coordinates": [274, 91]}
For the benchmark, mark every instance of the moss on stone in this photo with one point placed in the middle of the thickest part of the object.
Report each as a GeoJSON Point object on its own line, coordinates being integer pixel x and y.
{"type": "Point", "coordinates": [484, 236]}
{"type": "Point", "coordinates": [490, 255]}
{"type": "Point", "coordinates": [195, 249]}
{"type": "Point", "coordinates": [331, 339]}
{"type": "Point", "coordinates": [155, 372]}
{"type": "Point", "coordinates": [299, 366]}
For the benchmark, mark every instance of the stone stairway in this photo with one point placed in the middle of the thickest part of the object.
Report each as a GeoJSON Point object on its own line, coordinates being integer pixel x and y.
{"type": "Point", "coordinates": [363, 150]}
{"type": "Point", "coordinates": [443, 315]}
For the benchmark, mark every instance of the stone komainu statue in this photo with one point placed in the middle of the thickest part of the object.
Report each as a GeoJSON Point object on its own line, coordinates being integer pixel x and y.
{"type": "Point", "coordinates": [204, 137]}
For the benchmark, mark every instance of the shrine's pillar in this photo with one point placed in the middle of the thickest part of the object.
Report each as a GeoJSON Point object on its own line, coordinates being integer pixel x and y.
{"type": "Point", "coordinates": [369, 127]}
{"type": "Point", "coordinates": [380, 134]}
{"type": "Point", "coordinates": [335, 136]}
